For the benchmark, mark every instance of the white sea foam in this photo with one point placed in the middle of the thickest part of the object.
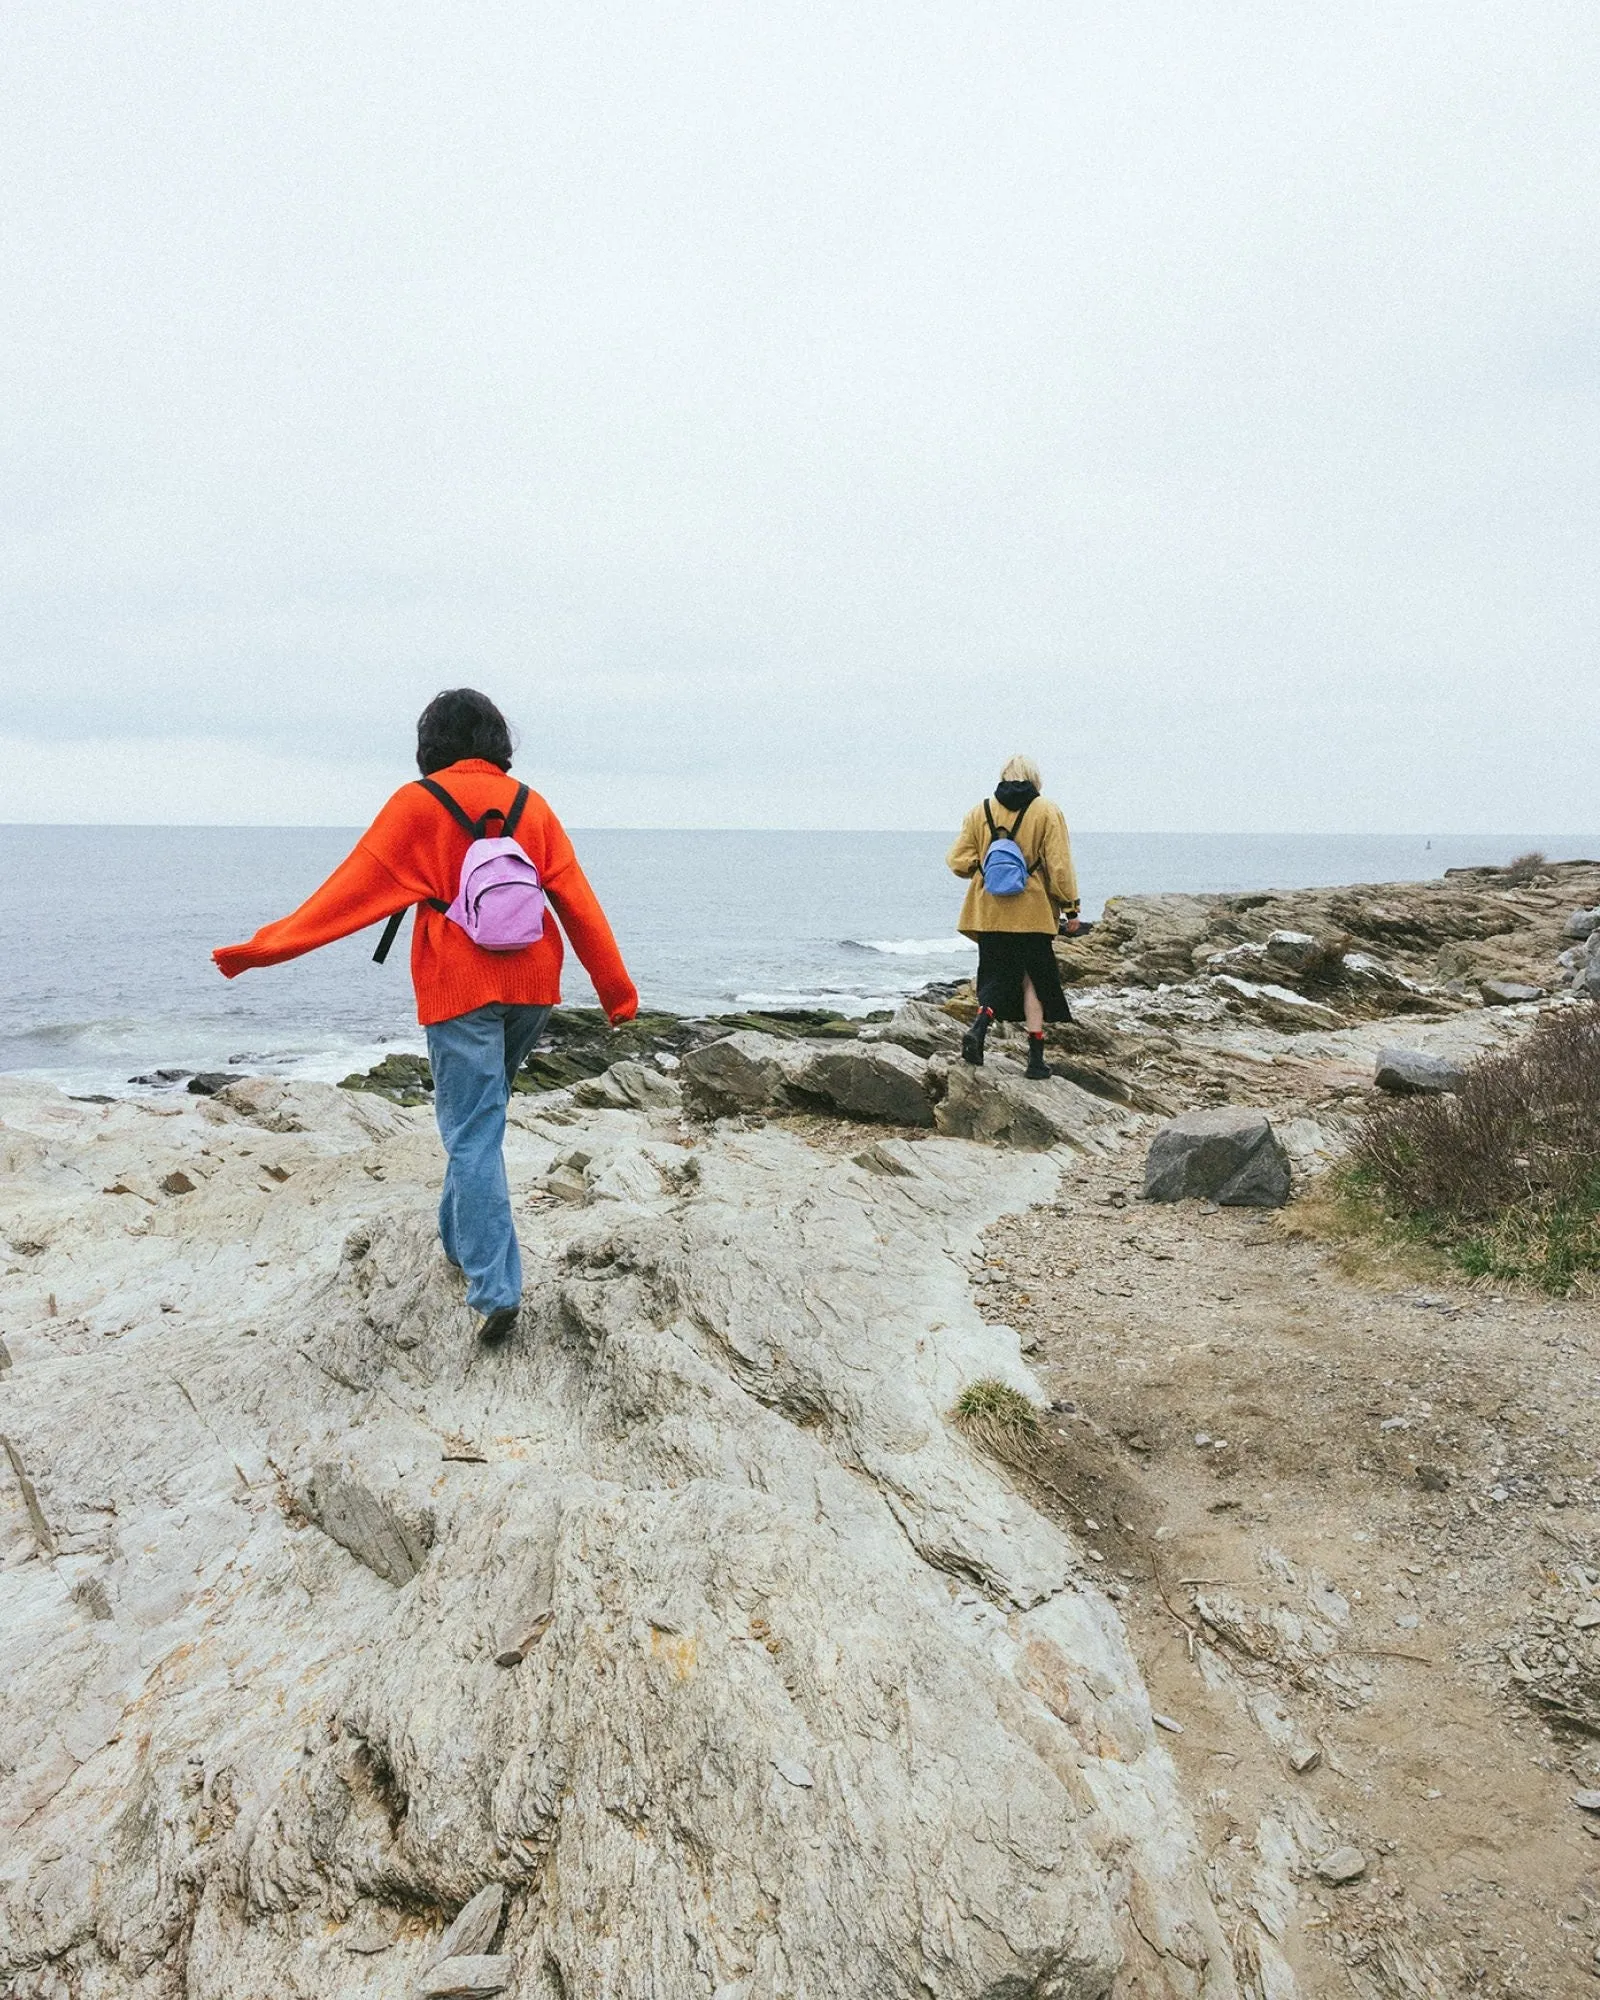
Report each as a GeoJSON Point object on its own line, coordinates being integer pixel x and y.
{"type": "Point", "coordinates": [914, 947]}
{"type": "Point", "coordinates": [115, 1070]}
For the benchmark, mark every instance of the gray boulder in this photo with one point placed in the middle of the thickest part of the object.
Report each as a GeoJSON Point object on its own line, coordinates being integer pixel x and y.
{"type": "Point", "coordinates": [628, 1086]}
{"type": "Point", "coordinates": [999, 1106]}
{"type": "Point", "coordinates": [877, 1080]}
{"type": "Point", "coordinates": [743, 1072]}
{"type": "Point", "coordinates": [1411, 1072]}
{"type": "Point", "coordinates": [1508, 992]}
{"type": "Point", "coordinates": [1228, 1155]}
{"type": "Point", "coordinates": [751, 1072]}
{"type": "Point", "coordinates": [923, 1029]}
{"type": "Point", "coordinates": [1581, 924]}
{"type": "Point", "coordinates": [1587, 980]}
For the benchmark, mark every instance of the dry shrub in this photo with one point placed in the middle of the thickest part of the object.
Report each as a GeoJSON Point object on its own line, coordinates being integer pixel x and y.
{"type": "Point", "coordinates": [1505, 1174]}
{"type": "Point", "coordinates": [1525, 868]}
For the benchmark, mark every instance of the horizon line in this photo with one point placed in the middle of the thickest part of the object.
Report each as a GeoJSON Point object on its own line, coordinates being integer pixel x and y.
{"type": "Point", "coordinates": [1126, 832]}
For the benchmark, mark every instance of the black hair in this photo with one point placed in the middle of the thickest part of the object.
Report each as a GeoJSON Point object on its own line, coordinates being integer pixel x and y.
{"type": "Point", "coordinates": [461, 723]}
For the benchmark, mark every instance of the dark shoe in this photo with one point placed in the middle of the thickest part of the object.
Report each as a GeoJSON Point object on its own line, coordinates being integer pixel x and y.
{"type": "Point", "coordinates": [1037, 1068]}
{"type": "Point", "coordinates": [499, 1325]}
{"type": "Point", "coordinates": [972, 1043]}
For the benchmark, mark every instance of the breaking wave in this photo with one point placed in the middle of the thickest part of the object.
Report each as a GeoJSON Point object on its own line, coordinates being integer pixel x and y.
{"type": "Point", "coordinates": [938, 947]}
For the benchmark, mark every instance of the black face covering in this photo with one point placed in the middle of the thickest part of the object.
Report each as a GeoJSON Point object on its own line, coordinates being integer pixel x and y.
{"type": "Point", "coordinates": [1015, 793]}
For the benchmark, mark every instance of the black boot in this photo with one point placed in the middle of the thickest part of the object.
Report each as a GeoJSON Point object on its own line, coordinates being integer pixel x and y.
{"type": "Point", "coordinates": [1037, 1066]}
{"type": "Point", "coordinates": [498, 1325]}
{"type": "Point", "coordinates": [972, 1040]}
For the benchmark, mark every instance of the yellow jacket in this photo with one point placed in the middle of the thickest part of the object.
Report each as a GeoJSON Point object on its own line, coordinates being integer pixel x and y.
{"type": "Point", "coordinates": [1052, 885]}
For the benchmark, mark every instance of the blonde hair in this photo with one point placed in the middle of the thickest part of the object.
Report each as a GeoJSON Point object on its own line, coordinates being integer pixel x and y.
{"type": "Point", "coordinates": [1022, 771]}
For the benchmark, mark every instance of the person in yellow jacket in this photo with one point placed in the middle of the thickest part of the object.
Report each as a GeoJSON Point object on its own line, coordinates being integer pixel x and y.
{"type": "Point", "coordinates": [1018, 979]}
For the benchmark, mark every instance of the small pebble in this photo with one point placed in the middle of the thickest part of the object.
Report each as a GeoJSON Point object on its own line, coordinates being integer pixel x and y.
{"type": "Point", "coordinates": [1587, 1801]}
{"type": "Point", "coordinates": [1166, 1722]}
{"type": "Point", "coordinates": [1344, 1864]}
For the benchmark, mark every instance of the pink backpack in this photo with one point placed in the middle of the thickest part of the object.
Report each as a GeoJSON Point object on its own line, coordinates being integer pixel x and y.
{"type": "Point", "coordinates": [499, 902]}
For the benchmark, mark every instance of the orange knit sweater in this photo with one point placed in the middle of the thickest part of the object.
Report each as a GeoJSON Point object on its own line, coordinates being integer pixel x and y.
{"type": "Point", "coordinates": [414, 850]}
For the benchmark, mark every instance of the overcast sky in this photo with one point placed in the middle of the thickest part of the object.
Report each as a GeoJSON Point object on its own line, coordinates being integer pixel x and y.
{"type": "Point", "coordinates": [787, 411]}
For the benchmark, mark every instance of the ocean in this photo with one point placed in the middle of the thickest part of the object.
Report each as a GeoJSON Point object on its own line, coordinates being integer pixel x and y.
{"type": "Point", "coordinates": [106, 930]}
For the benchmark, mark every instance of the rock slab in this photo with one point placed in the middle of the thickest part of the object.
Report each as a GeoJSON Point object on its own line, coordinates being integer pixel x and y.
{"type": "Point", "coordinates": [474, 1929]}
{"type": "Point", "coordinates": [824, 1706]}
{"type": "Point", "coordinates": [1508, 992]}
{"type": "Point", "coordinates": [878, 1081]}
{"type": "Point", "coordinates": [1413, 1072]}
{"type": "Point", "coordinates": [459, 1978]}
{"type": "Point", "coordinates": [999, 1106]}
{"type": "Point", "coordinates": [1229, 1156]}
{"type": "Point", "coordinates": [373, 1530]}
{"type": "Point", "coordinates": [923, 1029]}
{"type": "Point", "coordinates": [744, 1072]}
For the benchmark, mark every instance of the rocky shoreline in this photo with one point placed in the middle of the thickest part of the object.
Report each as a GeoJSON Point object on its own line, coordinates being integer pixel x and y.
{"type": "Point", "coordinates": [1163, 967]}
{"type": "Point", "coordinates": [690, 1646]}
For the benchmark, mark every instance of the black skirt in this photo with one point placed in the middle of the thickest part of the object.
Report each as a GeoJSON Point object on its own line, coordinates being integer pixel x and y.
{"type": "Point", "coordinates": [1004, 958]}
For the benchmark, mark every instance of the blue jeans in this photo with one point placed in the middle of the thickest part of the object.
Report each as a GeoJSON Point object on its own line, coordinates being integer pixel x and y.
{"type": "Point", "coordinates": [474, 1059]}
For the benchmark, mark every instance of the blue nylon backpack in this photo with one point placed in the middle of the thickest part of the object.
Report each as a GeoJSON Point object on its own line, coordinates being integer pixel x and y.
{"type": "Point", "coordinates": [1005, 866]}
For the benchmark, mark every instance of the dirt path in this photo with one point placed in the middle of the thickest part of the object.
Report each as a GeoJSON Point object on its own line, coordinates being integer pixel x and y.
{"type": "Point", "coordinates": [1256, 1420]}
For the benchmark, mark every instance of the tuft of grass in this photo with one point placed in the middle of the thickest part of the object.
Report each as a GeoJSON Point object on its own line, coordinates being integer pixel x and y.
{"type": "Point", "coordinates": [1503, 1177]}
{"type": "Point", "coordinates": [1525, 868]}
{"type": "Point", "coordinates": [998, 1415]}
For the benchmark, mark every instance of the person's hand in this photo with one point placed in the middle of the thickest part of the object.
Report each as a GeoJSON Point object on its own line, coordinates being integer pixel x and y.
{"type": "Point", "coordinates": [1073, 927]}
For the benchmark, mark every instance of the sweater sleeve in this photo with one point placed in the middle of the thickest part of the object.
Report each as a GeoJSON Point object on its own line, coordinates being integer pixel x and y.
{"type": "Point", "coordinates": [964, 857]}
{"type": "Point", "coordinates": [360, 891]}
{"type": "Point", "coordinates": [1060, 877]}
{"type": "Point", "coordinates": [585, 924]}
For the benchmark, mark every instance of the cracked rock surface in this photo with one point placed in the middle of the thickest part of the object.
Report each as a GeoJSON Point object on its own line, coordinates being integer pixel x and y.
{"type": "Point", "coordinates": [807, 1699]}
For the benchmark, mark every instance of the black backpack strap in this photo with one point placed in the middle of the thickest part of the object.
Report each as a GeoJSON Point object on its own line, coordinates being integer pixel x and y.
{"type": "Point", "coordinates": [391, 931]}
{"type": "Point", "coordinates": [472, 828]}
{"type": "Point", "coordinates": [509, 830]}
{"type": "Point", "coordinates": [1016, 824]}
{"type": "Point", "coordinates": [994, 831]}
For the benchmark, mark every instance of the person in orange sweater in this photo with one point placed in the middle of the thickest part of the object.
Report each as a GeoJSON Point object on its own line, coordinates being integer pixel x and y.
{"type": "Point", "coordinates": [483, 1010]}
